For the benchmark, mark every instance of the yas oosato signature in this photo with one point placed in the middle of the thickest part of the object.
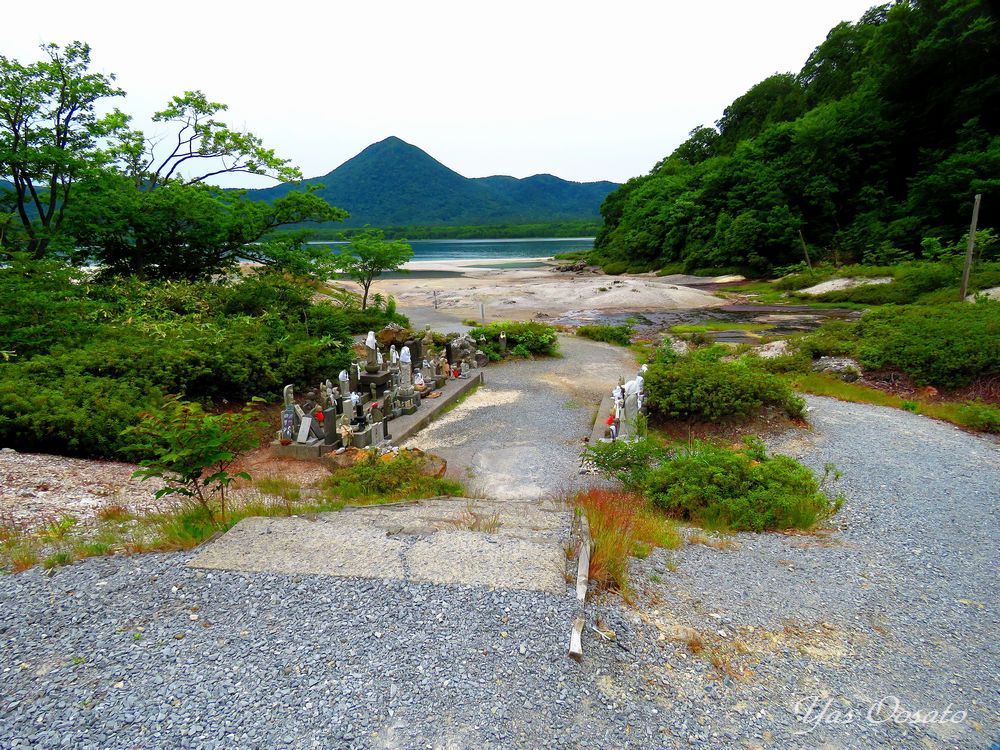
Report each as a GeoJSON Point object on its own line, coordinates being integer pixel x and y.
{"type": "Point", "coordinates": [815, 710]}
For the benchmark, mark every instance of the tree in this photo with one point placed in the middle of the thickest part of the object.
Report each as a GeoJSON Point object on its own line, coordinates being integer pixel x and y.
{"type": "Point", "coordinates": [202, 143]}
{"type": "Point", "coordinates": [192, 231]}
{"type": "Point", "coordinates": [51, 135]}
{"type": "Point", "coordinates": [193, 451]}
{"type": "Point", "coordinates": [369, 255]}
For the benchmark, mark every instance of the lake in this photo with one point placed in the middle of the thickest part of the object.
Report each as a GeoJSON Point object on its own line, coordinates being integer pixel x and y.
{"type": "Point", "coordinates": [537, 247]}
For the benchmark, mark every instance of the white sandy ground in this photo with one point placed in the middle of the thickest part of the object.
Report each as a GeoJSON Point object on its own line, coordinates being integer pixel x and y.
{"type": "Point", "coordinates": [835, 285]}
{"type": "Point", "coordinates": [527, 292]}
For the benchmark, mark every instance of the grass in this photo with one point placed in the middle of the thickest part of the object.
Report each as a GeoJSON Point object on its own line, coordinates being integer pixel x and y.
{"type": "Point", "coordinates": [711, 326]}
{"type": "Point", "coordinates": [970, 416]}
{"type": "Point", "coordinates": [620, 335]}
{"type": "Point", "coordinates": [622, 526]}
{"type": "Point", "coordinates": [186, 525]}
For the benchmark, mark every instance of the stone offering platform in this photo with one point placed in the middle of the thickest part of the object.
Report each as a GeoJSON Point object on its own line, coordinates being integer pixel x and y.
{"type": "Point", "coordinates": [517, 545]}
{"type": "Point", "coordinates": [402, 427]}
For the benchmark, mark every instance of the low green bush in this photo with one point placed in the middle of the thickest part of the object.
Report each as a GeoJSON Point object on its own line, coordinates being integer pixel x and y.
{"type": "Point", "coordinates": [911, 281]}
{"type": "Point", "coordinates": [620, 335]}
{"type": "Point", "coordinates": [980, 416]}
{"type": "Point", "coordinates": [947, 346]}
{"type": "Point", "coordinates": [524, 338]}
{"type": "Point", "coordinates": [835, 338]}
{"type": "Point", "coordinates": [701, 387]}
{"type": "Point", "coordinates": [628, 461]}
{"type": "Point", "coordinates": [88, 357]}
{"type": "Point", "coordinates": [738, 490]}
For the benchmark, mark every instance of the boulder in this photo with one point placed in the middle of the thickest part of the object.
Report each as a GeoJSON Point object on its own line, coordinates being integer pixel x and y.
{"type": "Point", "coordinates": [848, 369]}
{"type": "Point", "coordinates": [774, 349]}
{"type": "Point", "coordinates": [394, 334]}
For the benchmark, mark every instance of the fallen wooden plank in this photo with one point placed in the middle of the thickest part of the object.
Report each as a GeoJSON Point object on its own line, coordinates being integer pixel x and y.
{"type": "Point", "coordinates": [582, 576]}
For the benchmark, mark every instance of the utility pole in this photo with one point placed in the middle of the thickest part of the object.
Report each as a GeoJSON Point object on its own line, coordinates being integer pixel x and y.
{"type": "Point", "coordinates": [971, 246]}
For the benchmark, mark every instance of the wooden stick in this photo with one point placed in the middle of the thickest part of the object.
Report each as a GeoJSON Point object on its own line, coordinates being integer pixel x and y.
{"type": "Point", "coordinates": [582, 576]}
{"type": "Point", "coordinates": [971, 246]}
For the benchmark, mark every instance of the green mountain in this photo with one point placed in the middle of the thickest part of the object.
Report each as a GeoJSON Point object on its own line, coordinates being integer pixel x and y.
{"type": "Point", "coordinates": [393, 183]}
{"type": "Point", "coordinates": [872, 152]}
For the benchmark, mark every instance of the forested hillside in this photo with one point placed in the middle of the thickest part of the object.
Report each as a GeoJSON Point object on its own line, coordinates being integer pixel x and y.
{"type": "Point", "coordinates": [873, 150]}
{"type": "Point", "coordinates": [394, 183]}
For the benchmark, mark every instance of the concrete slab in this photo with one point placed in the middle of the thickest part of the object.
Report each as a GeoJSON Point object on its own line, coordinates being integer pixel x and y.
{"type": "Point", "coordinates": [431, 541]}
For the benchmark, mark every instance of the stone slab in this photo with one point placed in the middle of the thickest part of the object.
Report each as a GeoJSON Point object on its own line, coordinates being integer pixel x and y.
{"type": "Point", "coordinates": [430, 541]}
{"type": "Point", "coordinates": [601, 421]}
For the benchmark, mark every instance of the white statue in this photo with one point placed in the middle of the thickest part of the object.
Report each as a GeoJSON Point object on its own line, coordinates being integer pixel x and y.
{"type": "Point", "coordinates": [393, 355]}
{"type": "Point", "coordinates": [404, 355]}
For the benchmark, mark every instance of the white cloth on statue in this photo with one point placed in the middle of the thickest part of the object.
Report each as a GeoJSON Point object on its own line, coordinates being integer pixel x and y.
{"type": "Point", "coordinates": [631, 387]}
{"type": "Point", "coordinates": [404, 355]}
{"type": "Point", "coordinates": [370, 341]}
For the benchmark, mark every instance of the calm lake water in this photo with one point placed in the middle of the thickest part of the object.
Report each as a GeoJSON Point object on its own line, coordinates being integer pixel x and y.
{"type": "Point", "coordinates": [540, 247]}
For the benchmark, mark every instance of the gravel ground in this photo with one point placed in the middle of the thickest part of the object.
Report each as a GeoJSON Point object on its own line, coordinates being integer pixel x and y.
{"type": "Point", "coordinates": [143, 652]}
{"type": "Point", "coordinates": [519, 436]}
{"type": "Point", "coordinates": [899, 599]}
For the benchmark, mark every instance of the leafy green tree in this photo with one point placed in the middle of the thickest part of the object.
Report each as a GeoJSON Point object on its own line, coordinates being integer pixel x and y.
{"type": "Point", "coordinates": [368, 256]}
{"type": "Point", "coordinates": [191, 231]}
{"type": "Point", "coordinates": [202, 147]}
{"type": "Point", "coordinates": [51, 135]}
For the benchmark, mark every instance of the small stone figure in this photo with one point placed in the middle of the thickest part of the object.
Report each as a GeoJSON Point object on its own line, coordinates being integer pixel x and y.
{"type": "Point", "coordinates": [502, 344]}
{"type": "Point", "coordinates": [371, 352]}
{"type": "Point", "coordinates": [393, 355]}
{"type": "Point", "coordinates": [345, 431]}
{"type": "Point", "coordinates": [444, 369]}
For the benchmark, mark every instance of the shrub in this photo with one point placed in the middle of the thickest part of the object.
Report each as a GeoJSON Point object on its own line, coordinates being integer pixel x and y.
{"type": "Point", "coordinates": [835, 338]}
{"type": "Point", "coordinates": [192, 451]}
{"type": "Point", "coordinates": [742, 489]}
{"type": "Point", "coordinates": [526, 337]}
{"type": "Point", "coordinates": [378, 479]}
{"type": "Point", "coordinates": [699, 387]}
{"type": "Point", "coordinates": [621, 335]}
{"type": "Point", "coordinates": [628, 461]}
{"type": "Point", "coordinates": [911, 281]}
{"type": "Point", "coordinates": [947, 346]}
{"type": "Point", "coordinates": [980, 416]}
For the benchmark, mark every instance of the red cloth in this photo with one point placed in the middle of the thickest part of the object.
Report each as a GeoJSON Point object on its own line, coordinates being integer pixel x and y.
{"type": "Point", "coordinates": [611, 419]}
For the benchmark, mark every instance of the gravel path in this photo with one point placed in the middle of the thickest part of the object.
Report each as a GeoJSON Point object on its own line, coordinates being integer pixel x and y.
{"type": "Point", "coordinates": [899, 600]}
{"type": "Point", "coordinates": [519, 436]}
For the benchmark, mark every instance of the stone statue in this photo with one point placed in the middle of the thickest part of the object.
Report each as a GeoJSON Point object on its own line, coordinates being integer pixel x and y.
{"type": "Point", "coordinates": [371, 351]}
{"type": "Point", "coordinates": [502, 344]}
{"type": "Point", "coordinates": [289, 395]}
{"type": "Point", "coordinates": [393, 355]}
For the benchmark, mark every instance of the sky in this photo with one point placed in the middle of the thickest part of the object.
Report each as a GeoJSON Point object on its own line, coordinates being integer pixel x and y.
{"type": "Point", "coordinates": [583, 90]}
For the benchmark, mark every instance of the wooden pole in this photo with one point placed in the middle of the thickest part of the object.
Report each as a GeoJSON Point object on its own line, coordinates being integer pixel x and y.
{"type": "Point", "coordinates": [970, 248]}
{"type": "Point", "coordinates": [805, 249]}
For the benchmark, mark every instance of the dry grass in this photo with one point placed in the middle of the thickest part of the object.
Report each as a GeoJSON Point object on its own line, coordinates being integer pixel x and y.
{"type": "Point", "coordinates": [470, 520]}
{"type": "Point", "coordinates": [114, 513]}
{"type": "Point", "coordinates": [719, 543]}
{"type": "Point", "coordinates": [622, 525]}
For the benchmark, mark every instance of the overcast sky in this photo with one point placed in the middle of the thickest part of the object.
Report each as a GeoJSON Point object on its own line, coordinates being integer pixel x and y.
{"type": "Point", "coordinates": [583, 90]}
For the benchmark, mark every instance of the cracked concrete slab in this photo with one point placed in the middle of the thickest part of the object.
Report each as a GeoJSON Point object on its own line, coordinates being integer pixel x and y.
{"type": "Point", "coordinates": [441, 540]}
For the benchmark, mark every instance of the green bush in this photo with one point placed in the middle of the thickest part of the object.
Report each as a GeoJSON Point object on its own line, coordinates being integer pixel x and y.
{"type": "Point", "coordinates": [835, 338]}
{"type": "Point", "coordinates": [947, 346]}
{"type": "Point", "coordinates": [911, 281]}
{"type": "Point", "coordinates": [980, 416]}
{"type": "Point", "coordinates": [741, 489]}
{"type": "Point", "coordinates": [621, 335]}
{"type": "Point", "coordinates": [628, 461]}
{"type": "Point", "coordinates": [523, 338]}
{"type": "Point", "coordinates": [88, 357]}
{"type": "Point", "coordinates": [700, 387]}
